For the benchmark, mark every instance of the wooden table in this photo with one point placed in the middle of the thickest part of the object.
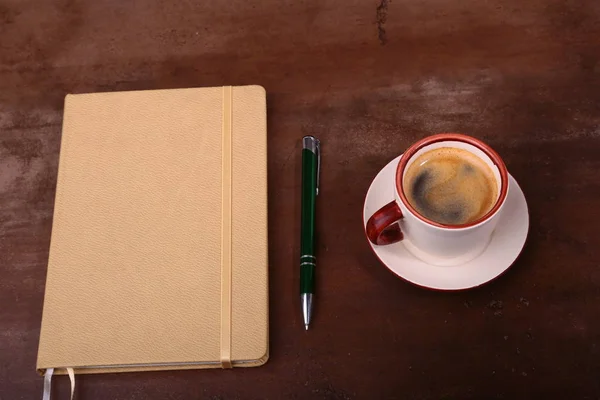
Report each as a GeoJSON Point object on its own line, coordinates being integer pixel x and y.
{"type": "Point", "coordinates": [369, 78]}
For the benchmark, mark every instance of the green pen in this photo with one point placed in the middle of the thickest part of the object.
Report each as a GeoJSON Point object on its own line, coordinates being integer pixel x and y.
{"type": "Point", "coordinates": [311, 164]}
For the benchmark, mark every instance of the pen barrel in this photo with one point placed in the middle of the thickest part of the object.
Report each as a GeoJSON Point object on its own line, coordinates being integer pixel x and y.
{"type": "Point", "coordinates": [307, 239]}
{"type": "Point", "coordinates": [307, 278]}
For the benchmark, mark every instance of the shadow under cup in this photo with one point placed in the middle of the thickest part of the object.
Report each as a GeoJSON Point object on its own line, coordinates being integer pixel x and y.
{"type": "Point", "coordinates": [442, 244]}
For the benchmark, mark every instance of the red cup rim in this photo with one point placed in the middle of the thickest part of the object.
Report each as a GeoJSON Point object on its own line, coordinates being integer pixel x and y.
{"type": "Point", "coordinates": [455, 137]}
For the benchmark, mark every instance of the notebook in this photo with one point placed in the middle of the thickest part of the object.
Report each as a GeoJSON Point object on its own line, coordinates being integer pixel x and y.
{"type": "Point", "coordinates": [158, 253]}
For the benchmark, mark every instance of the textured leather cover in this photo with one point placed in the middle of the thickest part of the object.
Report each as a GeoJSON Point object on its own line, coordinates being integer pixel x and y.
{"type": "Point", "coordinates": [134, 268]}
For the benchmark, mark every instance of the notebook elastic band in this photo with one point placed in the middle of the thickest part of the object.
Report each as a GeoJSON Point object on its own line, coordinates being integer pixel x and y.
{"type": "Point", "coordinates": [48, 383]}
{"type": "Point", "coordinates": [226, 230]}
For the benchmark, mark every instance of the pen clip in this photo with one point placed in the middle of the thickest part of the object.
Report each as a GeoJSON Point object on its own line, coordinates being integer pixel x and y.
{"type": "Point", "coordinates": [314, 145]}
{"type": "Point", "coordinates": [318, 148]}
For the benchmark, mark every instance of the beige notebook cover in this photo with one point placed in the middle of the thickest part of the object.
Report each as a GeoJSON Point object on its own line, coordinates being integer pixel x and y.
{"type": "Point", "coordinates": [158, 254]}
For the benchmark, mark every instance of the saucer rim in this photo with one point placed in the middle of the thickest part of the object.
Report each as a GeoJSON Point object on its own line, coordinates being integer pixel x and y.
{"type": "Point", "coordinates": [433, 288]}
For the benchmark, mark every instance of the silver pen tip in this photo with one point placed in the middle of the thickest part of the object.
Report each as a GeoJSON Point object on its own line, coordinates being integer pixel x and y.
{"type": "Point", "coordinates": [306, 326]}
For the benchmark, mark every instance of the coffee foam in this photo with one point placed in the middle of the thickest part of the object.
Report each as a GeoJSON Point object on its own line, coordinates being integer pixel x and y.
{"type": "Point", "coordinates": [450, 186]}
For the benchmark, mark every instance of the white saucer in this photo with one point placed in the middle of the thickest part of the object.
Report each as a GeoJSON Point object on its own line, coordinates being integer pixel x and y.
{"type": "Point", "coordinates": [505, 245]}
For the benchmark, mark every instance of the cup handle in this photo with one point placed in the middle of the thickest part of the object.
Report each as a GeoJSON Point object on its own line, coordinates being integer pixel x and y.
{"type": "Point", "coordinates": [383, 228]}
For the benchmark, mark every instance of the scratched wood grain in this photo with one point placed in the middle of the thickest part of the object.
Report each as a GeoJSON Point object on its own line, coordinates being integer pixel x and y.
{"type": "Point", "coordinates": [369, 78]}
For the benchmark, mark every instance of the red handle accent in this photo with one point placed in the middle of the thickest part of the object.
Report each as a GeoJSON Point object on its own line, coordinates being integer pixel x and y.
{"type": "Point", "coordinates": [382, 227]}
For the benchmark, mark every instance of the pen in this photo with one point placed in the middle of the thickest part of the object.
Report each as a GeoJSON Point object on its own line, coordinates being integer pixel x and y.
{"type": "Point", "coordinates": [311, 165]}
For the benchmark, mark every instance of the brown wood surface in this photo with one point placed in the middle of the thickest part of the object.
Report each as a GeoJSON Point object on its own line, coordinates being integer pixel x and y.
{"type": "Point", "coordinates": [369, 78]}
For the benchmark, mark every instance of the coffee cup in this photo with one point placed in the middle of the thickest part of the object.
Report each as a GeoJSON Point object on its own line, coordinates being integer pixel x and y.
{"type": "Point", "coordinates": [449, 192]}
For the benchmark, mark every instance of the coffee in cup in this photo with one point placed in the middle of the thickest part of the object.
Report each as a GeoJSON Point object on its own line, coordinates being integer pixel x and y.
{"type": "Point", "coordinates": [450, 186]}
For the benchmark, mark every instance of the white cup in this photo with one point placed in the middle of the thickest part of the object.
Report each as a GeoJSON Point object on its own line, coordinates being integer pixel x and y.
{"type": "Point", "coordinates": [433, 242]}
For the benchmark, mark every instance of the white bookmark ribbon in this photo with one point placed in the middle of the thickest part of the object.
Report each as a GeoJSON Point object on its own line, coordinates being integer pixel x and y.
{"type": "Point", "coordinates": [48, 383]}
{"type": "Point", "coordinates": [72, 378]}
